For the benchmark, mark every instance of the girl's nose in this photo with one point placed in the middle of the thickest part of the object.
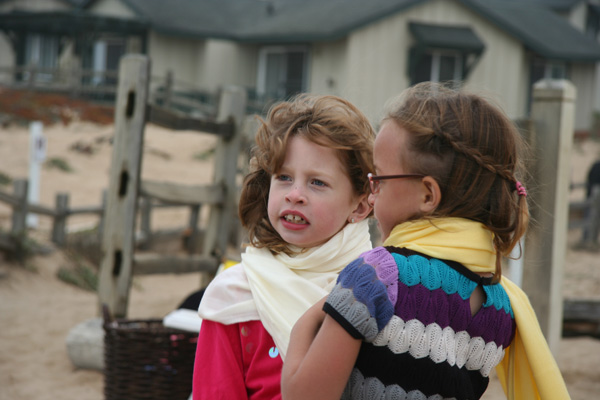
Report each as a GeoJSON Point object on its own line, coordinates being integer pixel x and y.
{"type": "Point", "coordinates": [296, 195]}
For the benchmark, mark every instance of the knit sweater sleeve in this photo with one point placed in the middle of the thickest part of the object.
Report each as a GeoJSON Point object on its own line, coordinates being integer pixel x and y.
{"type": "Point", "coordinates": [362, 301]}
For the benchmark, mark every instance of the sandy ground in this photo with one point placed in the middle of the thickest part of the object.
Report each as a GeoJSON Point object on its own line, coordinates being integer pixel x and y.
{"type": "Point", "coordinates": [37, 310]}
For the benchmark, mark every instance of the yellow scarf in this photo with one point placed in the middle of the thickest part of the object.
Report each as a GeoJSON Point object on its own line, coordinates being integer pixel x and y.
{"type": "Point", "coordinates": [528, 370]}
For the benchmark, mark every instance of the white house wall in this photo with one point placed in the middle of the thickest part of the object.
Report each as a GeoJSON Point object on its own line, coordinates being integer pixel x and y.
{"type": "Point", "coordinates": [180, 56]}
{"type": "Point", "coordinates": [328, 68]}
{"type": "Point", "coordinates": [237, 64]}
{"type": "Point", "coordinates": [375, 67]}
{"type": "Point", "coordinates": [376, 64]}
{"type": "Point", "coordinates": [190, 61]}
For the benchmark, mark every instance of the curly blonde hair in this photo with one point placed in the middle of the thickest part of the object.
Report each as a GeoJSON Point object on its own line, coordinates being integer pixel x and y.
{"type": "Point", "coordinates": [326, 120]}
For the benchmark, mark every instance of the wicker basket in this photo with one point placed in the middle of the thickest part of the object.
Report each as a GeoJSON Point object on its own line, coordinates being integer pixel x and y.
{"type": "Point", "coordinates": [143, 359]}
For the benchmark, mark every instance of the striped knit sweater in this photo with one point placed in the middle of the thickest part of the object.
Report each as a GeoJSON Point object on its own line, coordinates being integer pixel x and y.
{"type": "Point", "coordinates": [413, 315]}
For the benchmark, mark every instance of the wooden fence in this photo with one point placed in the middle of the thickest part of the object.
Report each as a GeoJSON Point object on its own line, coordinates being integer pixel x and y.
{"type": "Point", "coordinates": [149, 200]}
{"type": "Point", "coordinates": [127, 193]}
{"type": "Point", "coordinates": [132, 111]}
{"type": "Point", "coordinates": [165, 91]}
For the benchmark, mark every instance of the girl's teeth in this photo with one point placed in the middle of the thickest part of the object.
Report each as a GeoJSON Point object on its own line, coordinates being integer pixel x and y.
{"type": "Point", "coordinates": [294, 218]}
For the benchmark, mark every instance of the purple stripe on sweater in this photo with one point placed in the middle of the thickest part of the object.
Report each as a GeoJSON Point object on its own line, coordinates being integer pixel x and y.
{"type": "Point", "coordinates": [386, 270]}
{"type": "Point", "coordinates": [418, 302]}
{"type": "Point", "coordinates": [492, 325]}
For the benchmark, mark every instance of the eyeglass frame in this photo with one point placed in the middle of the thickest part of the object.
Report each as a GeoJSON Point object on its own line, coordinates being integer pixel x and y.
{"type": "Point", "coordinates": [374, 179]}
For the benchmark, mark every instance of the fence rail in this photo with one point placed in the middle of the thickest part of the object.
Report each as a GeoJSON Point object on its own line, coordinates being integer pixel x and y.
{"type": "Point", "coordinates": [153, 195]}
{"type": "Point", "coordinates": [165, 91]}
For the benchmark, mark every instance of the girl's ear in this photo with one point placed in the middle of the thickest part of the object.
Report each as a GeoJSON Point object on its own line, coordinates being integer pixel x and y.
{"type": "Point", "coordinates": [362, 210]}
{"type": "Point", "coordinates": [432, 195]}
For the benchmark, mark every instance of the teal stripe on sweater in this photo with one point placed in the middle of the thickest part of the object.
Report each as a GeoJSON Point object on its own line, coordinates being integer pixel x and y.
{"type": "Point", "coordinates": [435, 275]}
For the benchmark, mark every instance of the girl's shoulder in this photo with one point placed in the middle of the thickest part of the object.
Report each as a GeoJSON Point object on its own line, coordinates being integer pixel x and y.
{"type": "Point", "coordinates": [374, 271]}
{"type": "Point", "coordinates": [378, 261]}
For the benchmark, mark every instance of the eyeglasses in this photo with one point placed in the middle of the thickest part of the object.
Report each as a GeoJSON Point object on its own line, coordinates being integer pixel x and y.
{"type": "Point", "coordinates": [374, 179]}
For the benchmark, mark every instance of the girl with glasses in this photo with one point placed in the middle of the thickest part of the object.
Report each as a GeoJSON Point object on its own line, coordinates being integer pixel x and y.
{"type": "Point", "coordinates": [304, 204]}
{"type": "Point", "coordinates": [429, 315]}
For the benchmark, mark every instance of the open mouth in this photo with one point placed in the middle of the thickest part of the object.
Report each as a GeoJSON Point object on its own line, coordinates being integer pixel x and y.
{"type": "Point", "coordinates": [295, 219]}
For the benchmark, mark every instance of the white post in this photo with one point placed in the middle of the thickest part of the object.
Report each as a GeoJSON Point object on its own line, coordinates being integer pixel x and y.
{"type": "Point", "coordinates": [37, 154]}
{"type": "Point", "coordinates": [553, 112]}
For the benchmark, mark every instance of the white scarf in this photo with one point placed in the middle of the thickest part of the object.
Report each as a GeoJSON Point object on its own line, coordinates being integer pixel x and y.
{"type": "Point", "coordinates": [278, 289]}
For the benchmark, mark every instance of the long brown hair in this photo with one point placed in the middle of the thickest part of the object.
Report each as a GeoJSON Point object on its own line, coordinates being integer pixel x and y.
{"type": "Point", "coordinates": [328, 121]}
{"type": "Point", "coordinates": [473, 150]}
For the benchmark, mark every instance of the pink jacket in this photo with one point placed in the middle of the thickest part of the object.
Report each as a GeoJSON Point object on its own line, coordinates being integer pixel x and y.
{"type": "Point", "coordinates": [237, 361]}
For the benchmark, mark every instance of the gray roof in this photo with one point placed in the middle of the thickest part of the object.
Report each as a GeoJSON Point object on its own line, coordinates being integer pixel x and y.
{"type": "Point", "coordinates": [539, 28]}
{"type": "Point", "coordinates": [557, 5]}
{"type": "Point", "coordinates": [281, 21]}
{"type": "Point", "coordinates": [301, 21]}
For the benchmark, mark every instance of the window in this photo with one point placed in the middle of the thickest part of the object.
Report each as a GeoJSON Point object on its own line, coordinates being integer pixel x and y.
{"type": "Point", "coordinates": [41, 52]}
{"type": "Point", "coordinates": [106, 55]}
{"type": "Point", "coordinates": [281, 71]}
{"type": "Point", "coordinates": [438, 66]}
{"type": "Point", "coordinates": [442, 53]}
{"type": "Point", "coordinates": [545, 69]}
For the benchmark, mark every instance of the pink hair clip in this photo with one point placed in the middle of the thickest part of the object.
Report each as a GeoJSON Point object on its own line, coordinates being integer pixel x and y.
{"type": "Point", "coordinates": [521, 189]}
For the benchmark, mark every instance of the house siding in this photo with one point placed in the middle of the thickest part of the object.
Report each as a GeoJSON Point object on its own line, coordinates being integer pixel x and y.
{"type": "Point", "coordinates": [190, 61]}
{"type": "Point", "coordinates": [375, 67]}
{"type": "Point", "coordinates": [328, 67]}
{"type": "Point", "coordinates": [237, 64]}
{"type": "Point", "coordinates": [180, 56]}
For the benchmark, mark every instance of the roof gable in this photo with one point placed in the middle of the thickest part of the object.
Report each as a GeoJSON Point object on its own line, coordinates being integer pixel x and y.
{"type": "Point", "coordinates": [540, 29]}
{"type": "Point", "coordinates": [265, 20]}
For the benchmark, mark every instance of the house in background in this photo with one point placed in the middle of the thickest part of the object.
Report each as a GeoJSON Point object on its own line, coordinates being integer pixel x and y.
{"type": "Point", "coordinates": [365, 51]}
{"type": "Point", "coordinates": [50, 34]}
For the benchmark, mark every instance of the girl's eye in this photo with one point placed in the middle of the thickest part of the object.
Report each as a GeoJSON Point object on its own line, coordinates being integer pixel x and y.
{"type": "Point", "coordinates": [318, 182]}
{"type": "Point", "coordinates": [283, 178]}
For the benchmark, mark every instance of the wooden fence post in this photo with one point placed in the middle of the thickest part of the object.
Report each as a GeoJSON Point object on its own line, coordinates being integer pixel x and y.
{"type": "Point", "coordinates": [553, 112]}
{"type": "Point", "coordinates": [121, 205]}
{"type": "Point", "coordinates": [59, 225]}
{"type": "Point", "coordinates": [19, 217]}
{"type": "Point", "coordinates": [146, 221]}
{"type": "Point", "coordinates": [232, 105]}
